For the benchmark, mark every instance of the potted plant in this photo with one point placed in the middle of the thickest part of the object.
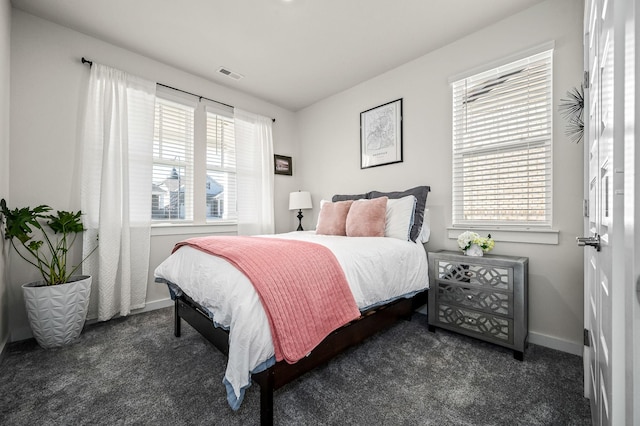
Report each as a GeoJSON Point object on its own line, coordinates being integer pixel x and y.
{"type": "Point", "coordinates": [56, 305]}
{"type": "Point", "coordinates": [472, 244]}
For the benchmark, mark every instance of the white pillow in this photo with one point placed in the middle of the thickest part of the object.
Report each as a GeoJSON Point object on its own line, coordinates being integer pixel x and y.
{"type": "Point", "coordinates": [425, 232]}
{"type": "Point", "coordinates": [399, 217]}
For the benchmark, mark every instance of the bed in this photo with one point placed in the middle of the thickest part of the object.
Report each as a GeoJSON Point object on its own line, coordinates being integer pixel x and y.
{"type": "Point", "coordinates": [386, 275]}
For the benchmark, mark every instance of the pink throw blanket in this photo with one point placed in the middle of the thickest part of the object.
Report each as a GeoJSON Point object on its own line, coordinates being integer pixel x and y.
{"type": "Point", "coordinates": [301, 285]}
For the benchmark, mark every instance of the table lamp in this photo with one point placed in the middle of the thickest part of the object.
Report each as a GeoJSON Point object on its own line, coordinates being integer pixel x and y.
{"type": "Point", "coordinates": [298, 201]}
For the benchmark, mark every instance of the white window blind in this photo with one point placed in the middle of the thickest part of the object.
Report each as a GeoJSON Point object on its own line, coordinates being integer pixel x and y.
{"type": "Point", "coordinates": [502, 145]}
{"type": "Point", "coordinates": [172, 188]}
{"type": "Point", "coordinates": [221, 188]}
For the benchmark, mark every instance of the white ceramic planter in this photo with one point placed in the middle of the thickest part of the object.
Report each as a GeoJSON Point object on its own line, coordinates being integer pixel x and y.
{"type": "Point", "coordinates": [57, 312]}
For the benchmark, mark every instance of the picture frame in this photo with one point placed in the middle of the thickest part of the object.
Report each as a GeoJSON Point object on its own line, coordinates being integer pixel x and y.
{"type": "Point", "coordinates": [282, 165]}
{"type": "Point", "coordinates": [381, 135]}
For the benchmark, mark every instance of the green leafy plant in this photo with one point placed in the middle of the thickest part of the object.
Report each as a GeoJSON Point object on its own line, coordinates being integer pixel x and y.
{"type": "Point", "coordinates": [47, 253]}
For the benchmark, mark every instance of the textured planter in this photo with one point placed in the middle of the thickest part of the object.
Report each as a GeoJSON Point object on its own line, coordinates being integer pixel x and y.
{"type": "Point", "coordinates": [57, 312]}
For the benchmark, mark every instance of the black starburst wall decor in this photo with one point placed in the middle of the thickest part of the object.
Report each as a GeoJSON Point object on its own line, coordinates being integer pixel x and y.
{"type": "Point", "coordinates": [572, 109]}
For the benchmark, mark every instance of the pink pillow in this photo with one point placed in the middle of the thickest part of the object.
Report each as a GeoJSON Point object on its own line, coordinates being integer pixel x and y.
{"type": "Point", "coordinates": [366, 218]}
{"type": "Point", "coordinates": [333, 217]}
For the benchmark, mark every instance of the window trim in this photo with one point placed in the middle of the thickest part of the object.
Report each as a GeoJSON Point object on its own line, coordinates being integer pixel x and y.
{"type": "Point", "coordinates": [533, 235]}
{"type": "Point", "coordinates": [520, 227]}
{"type": "Point", "coordinates": [173, 228]}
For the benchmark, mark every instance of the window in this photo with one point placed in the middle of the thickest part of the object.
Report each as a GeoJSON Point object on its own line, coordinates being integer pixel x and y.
{"type": "Point", "coordinates": [173, 142]}
{"type": "Point", "coordinates": [187, 187]}
{"type": "Point", "coordinates": [221, 168]}
{"type": "Point", "coordinates": [502, 145]}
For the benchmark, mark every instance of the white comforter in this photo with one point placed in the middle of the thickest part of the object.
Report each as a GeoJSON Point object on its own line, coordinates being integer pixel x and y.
{"type": "Point", "coordinates": [377, 270]}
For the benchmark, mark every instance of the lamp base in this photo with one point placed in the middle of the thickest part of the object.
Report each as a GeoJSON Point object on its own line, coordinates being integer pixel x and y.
{"type": "Point", "coordinates": [300, 220]}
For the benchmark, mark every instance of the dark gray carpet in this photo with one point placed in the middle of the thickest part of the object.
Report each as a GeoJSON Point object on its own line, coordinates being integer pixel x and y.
{"type": "Point", "coordinates": [134, 371]}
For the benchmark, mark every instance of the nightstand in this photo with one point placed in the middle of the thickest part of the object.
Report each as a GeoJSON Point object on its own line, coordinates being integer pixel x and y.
{"type": "Point", "coordinates": [483, 297]}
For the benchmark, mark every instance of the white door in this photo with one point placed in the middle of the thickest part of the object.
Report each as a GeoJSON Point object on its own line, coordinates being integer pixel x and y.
{"type": "Point", "coordinates": [631, 189]}
{"type": "Point", "coordinates": [607, 281]}
{"type": "Point", "coordinates": [598, 252]}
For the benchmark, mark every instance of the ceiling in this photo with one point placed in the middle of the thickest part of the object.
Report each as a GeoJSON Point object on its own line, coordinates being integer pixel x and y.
{"type": "Point", "coordinates": [290, 53]}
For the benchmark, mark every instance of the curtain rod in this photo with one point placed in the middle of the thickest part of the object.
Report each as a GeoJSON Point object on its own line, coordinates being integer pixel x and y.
{"type": "Point", "coordinates": [86, 61]}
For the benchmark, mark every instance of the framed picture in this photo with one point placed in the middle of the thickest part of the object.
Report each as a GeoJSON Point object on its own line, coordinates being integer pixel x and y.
{"type": "Point", "coordinates": [381, 135]}
{"type": "Point", "coordinates": [282, 165]}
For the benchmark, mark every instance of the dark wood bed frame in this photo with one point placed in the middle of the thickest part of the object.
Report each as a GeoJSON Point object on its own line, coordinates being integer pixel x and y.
{"type": "Point", "coordinates": [369, 323]}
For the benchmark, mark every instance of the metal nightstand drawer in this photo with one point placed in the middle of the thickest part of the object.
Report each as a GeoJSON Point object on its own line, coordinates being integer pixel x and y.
{"type": "Point", "coordinates": [476, 273]}
{"type": "Point", "coordinates": [490, 301]}
{"type": "Point", "coordinates": [490, 327]}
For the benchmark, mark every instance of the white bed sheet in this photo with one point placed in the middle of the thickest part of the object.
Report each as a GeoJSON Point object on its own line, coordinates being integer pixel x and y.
{"type": "Point", "coordinates": [377, 270]}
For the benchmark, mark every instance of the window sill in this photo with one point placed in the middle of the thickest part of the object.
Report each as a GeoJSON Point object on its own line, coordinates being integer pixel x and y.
{"type": "Point", "coordinates": [190, 228]}
{"type": "Point", "coordinates": [512, 235]}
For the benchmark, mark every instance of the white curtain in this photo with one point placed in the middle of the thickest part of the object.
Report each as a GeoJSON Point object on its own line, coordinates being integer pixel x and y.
{"type": "Point", "coordinates": [254, 156]}
{"type": "Point", "coordinates": [116, 188]}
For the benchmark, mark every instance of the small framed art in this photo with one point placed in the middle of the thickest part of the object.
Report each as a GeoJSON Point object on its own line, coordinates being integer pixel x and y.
{"type": "Point", "coordinates": [381, 135]}
{"type": "Point", "coordinates": [282, 165]}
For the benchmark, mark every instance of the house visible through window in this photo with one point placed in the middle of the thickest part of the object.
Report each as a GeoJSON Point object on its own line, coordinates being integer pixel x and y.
{"type": "Point", "coordinates": [186, 188]}
{"type": "Point", "coordinates": [502, 145]}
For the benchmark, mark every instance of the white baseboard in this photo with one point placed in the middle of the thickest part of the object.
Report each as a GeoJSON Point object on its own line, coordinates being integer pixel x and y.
{"type": "Point", "coordinates": [24, 333]}
{"type": "Point", "coordinates": [148, 307]}
{"type": "Point", "coordinates": [152, 306]}
{"type": "Point", "coordinates": [574, 348]}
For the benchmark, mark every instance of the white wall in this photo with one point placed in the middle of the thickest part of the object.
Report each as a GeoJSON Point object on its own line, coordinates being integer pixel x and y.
{"type": "Point", "coordinates": [47, 84]}
{"type": "Point", "coordinates": [330, 150]}
{"type": "Point", "coordinates": [5, 28]}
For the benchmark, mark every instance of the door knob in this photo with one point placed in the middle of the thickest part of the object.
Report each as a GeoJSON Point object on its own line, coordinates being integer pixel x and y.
{"type": "Point", "coordinates": [589, 241]}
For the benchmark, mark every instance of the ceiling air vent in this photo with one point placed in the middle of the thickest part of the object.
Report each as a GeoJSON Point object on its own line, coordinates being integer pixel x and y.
{"type": "Point", "coordinates": [228, 73]}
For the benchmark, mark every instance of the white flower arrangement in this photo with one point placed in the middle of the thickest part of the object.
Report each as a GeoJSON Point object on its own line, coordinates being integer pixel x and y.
{"type": "Point", "coordinates": [468, 238]}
